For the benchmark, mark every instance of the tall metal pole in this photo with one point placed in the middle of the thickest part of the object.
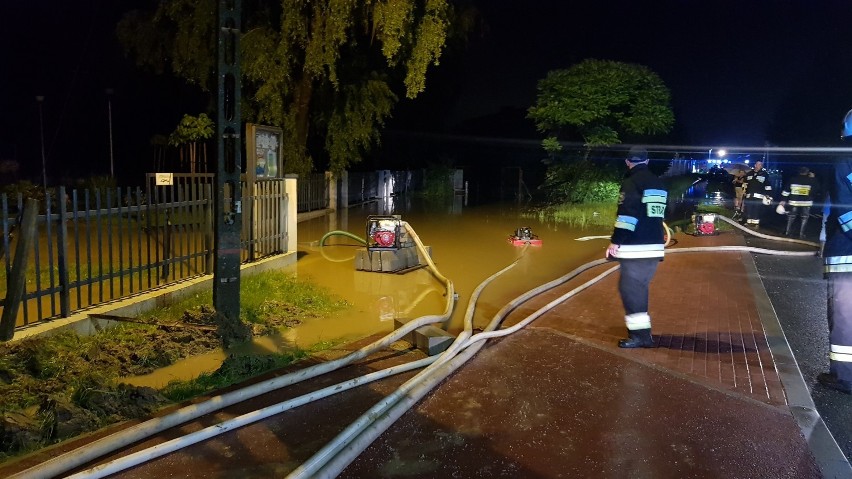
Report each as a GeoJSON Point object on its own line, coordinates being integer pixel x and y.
{"type": "Point", "coordinates": [109, 115]}
{"type": "Point", "coordinates": [228, 201]}
{"type": "Point", "coordinates": [40, 100]}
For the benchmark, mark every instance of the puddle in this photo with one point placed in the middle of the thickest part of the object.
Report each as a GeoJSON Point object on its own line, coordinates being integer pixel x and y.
{"type": "Point", "coordinates": [468, 245]}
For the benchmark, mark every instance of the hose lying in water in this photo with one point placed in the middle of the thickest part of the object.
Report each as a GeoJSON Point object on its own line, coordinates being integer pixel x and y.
{"type": "Point", "coordinates": [341, 451]}
{"type": "Point", "coordinates": [332, 459]}
{"type": "Point", "coordinates": [353, 437]}
{"type": "Point", "coordinates": [372, 424]}
{"type": "Point", "coordinates": [148, 454]}
{"type": "Point", "coordinates": [100, 447]}
{"type": "Point", "coordinates": [341, 233]}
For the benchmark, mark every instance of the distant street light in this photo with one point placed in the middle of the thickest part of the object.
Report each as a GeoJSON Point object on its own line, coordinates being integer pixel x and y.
{"type": "Point", "coordinates": [721, 152]}
{"type": "Point", "coordinates": [109, 116]}
{"type": "Point", "coordinates": [40, 100]}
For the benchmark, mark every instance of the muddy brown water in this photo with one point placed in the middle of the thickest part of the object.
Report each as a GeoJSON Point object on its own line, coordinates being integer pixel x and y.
{"type": "Point", "coordinates": [468, 245]}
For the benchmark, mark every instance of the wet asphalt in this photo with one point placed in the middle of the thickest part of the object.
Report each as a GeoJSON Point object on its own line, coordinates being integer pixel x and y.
{"type": "Point", "coordinates": [797, 290]}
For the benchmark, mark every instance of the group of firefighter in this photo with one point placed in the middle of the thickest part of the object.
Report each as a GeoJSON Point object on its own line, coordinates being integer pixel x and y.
{"type": "Point", "coordinates": [754, 192]}
{"type": "Point", "coordinates": [637, 244]}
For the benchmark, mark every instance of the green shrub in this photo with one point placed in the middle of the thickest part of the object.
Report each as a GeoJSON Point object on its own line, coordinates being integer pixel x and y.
{"type": "Point", "coordinates": [437, 183]}
{"type": "Point", "coordinates": [581, 181]}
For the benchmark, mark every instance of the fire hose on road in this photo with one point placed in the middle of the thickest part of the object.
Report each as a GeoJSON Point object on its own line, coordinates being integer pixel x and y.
{"type": "Point", "coordinates": [337, 454]}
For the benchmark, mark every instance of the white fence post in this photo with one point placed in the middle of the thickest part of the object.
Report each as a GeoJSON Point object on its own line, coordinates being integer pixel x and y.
{"type": "Point", "coordinates": [291, 187]}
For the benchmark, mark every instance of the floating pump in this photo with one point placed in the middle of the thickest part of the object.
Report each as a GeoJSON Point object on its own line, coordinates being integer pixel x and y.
{"type": "Point", "coordinates": [524, 236]}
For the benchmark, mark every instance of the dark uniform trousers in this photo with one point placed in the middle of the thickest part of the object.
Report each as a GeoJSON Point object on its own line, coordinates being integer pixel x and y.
{"type": "Point", "coordinates": [634, 284]}
{"type": "Point", "coordinates": [840, 324]}
{"type": "Point", "coordinates": [753, 210]}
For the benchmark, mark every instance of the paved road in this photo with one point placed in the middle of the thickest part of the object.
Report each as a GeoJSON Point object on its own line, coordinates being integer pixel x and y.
{"type": "Point", "coordinates": [798, 293]}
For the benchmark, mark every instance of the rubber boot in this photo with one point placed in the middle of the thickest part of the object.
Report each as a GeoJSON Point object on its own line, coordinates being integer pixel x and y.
{"type": "Point", "coordinates": [639, 338]}
{"type": "Point", "coordinates": [790, 220]}
{"type": "Point", "coordinates": [802, 229]}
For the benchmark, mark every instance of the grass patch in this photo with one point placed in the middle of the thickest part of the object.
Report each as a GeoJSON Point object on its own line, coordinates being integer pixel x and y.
{"type": "Point", "coordinates": [56, 387]}
{"type": "Point", "coordinates": [267, 300]}
{"type": "Point", "coordinates": [234, 369]}
{"type": "Point", "coordinates": [586, 213]}
{"type": "Point", "coordinates": [578, 215]}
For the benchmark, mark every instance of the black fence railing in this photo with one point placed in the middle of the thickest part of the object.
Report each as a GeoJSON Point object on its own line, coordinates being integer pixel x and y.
{"type": "Point", "coordinates": [92, 247]}
{"type": "Point", "coordinates": [313, 192]}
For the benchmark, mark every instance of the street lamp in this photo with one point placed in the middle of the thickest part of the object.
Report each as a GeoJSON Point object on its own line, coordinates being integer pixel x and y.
{"type": "Point", "coordinates": [109, 116]}
{"type": "Point", "coordinates": [40, 100]}
{"type": "Point", "coordinates": [721, 152]}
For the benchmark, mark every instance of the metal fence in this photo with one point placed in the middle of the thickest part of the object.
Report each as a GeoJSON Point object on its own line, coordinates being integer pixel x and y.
{"type": "Point", "coordinates": [91, 247]}
{"type": "Point", "coordinates": [362, 187]}
{"type": "Point", "coordinates": [95, 246]}
{"type": "Point", "coordinates": [313, 192]}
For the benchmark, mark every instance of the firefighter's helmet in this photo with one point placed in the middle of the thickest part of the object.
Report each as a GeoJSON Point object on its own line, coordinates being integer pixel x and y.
{"type": "Point", "coordinates": [846, 129]}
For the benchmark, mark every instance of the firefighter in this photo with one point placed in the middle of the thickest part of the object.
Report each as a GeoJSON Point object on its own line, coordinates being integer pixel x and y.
{"type": "Point", "coordinates": [798, 195]}
{"type": "Point", "coordinates": [837, 258]}
{"type": "Point", "coordinates": [637, 243]}
{"type": "Point", "coordinates": [758, 192]}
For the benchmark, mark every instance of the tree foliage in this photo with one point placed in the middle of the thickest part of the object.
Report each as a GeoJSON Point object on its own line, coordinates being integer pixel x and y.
{"type": "Point", "coordinates": [581, 181]}
{"type": "Point", "coordinates": [328, 72]}
{"type": "Point", "coordinates": [190, 132]}
{"type": "Point", "coordinates": [600, 101]}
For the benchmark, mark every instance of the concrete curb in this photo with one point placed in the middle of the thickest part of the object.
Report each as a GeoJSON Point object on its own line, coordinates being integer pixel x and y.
{"type": "Point", "coordinates": [828, 455]}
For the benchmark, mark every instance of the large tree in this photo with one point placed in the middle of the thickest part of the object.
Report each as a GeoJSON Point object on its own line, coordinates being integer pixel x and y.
{"type": "Point", "coordinates": [600, 101]}
{"type": "Point", "coordinates": [326, 71]}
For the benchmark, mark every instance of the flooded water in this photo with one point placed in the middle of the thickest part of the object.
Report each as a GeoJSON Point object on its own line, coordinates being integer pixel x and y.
{"type": "Point", "coordinates": [468, 244]}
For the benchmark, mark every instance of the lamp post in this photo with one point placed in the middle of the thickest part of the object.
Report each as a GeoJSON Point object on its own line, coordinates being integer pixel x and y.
{"type": "Point", "coordinates": [40, 100]}
{"type": "Point", "coordinates": [720, 152]}
{"type": "Point", "coordinates": [109, 116]}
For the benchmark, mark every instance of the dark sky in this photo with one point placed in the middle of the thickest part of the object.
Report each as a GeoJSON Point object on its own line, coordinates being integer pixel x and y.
{"type": "Point", "coordinates": [740, 72]}
{"type": "Point", "coordinates": [733, 67]}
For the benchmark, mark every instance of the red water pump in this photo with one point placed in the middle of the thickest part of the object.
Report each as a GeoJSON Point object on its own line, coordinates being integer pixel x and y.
{"type": "Point", "coordinates": [383, 232]}
{"type": "Point", "coordinates": [705, 224]}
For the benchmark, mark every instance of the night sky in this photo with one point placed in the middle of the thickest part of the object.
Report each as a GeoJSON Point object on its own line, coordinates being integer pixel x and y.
{"type": "Point", "coordinates": [740, 72]}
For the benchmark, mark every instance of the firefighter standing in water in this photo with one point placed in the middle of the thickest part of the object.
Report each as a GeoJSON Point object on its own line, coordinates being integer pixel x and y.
{"type": "Point", "coordinates": [798, 195]}
{"type": "Point", "coordinates": [837, 258]}
{"type": "Point", "coordinates": [637, 243]}
{"type": "Point", "coordinates": [758, 192]}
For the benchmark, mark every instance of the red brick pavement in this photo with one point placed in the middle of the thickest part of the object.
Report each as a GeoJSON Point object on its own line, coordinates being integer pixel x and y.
{"type": "Point", "coordinates": [559, 399]}
{"type": "Point", "coordinates": [703, 312]}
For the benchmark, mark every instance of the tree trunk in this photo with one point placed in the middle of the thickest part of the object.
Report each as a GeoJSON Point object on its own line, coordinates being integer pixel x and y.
{"type": "Point", "coordinates": [192, 156]}
{"type": "Point", "coordinates": [204, 157]}
{"type": "Point", "coordinates": [302, 102]}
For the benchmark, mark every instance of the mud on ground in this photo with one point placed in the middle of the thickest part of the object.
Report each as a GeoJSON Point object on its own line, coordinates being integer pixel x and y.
{"type": "Point", "coordinates": [58, 387]}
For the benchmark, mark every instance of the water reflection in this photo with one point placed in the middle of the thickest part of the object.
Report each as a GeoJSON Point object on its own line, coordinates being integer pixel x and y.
{"type": "Point", "coordinates": [468, 245]}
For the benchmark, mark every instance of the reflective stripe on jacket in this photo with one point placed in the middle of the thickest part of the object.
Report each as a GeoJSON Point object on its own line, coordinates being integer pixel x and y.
{"type": "Point", "coordinates": [757, 184]}
{"type": "Point", "coordinates": [838, 226]}
{"type": "Point", "coordinates": [800, 191]}
{"type": "Point", "coordinates": [641, 208]}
